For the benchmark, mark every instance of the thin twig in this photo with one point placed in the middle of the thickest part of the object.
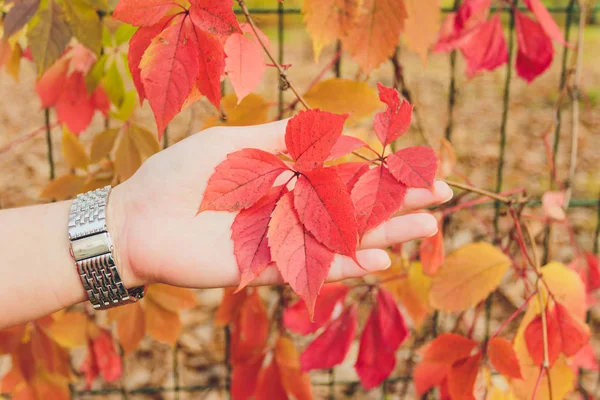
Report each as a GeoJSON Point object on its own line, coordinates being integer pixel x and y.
{"type": "Point", "coordinates": [282, 72]}
{"type": "Point", "coordinates": [575, 95]}
{"type": "Point", "coordinates": [483, 192]}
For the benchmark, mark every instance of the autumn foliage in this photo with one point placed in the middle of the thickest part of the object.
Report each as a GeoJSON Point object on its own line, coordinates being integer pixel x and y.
{"type": "Point", "coordinates": [299, 210]}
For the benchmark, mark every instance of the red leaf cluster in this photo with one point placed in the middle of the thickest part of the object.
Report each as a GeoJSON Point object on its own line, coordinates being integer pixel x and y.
{"type": "Point", "coordinates": [481, 40]}
{"type": "Point", "coordinates": [177, 51]}
{"type": "Point", "coordinates": [63, 86]}
{"type": "Point", "coordinates": [300, 229]}
{"type": "Point", "coordinates": [566, 334]}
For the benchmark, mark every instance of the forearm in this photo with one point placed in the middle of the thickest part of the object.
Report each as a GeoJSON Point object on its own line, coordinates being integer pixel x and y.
{"type": "Point", "coordinates": [37, 273]}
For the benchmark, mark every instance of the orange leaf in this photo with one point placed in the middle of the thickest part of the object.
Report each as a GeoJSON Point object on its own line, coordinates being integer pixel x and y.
{"type": "Point", "coordinates": [375, 35]}
{"type": "Point", "coordinates": [269, 386]}
{"type": "Point", "coordinates": [462, 376]}
{"type": "Point", "coordinates": [574, 333]}
{"type": "Point", "coordinates": [229, 306]}
{"type": "Point", "coordinates": [422, 25]}
{"type": "Point", "coordinates": [449, 348]}
{"type": "Point", "coordinates": [429, 374]}
{"type": "Point", "coordinates": [162, 324]}
{"type": "Point", "coordinates": [171, 298]}
{"type": "Point", "coordinates": [296, 383]}
{"type": "Point", "coordinates": [250, 331]}
{"type": "Point", "coordinates": [70, 330]}
{"type": "Point", "coordinates": [534, 334]}
{"type": "Point", "coordinates": [10, 338]}
{"type": "Point", "coordinates": [431, 253]}
{"type": "Point", "coordinates": [131, 326]}
{"type": "Point", "coordinates": [503, 357]}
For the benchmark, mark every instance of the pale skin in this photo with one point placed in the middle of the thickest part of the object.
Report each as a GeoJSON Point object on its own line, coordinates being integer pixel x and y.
{"type": "Point", "coordinates": [159, 238]}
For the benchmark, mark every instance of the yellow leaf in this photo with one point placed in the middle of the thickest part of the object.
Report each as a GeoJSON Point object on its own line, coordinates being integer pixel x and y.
{"type": "Point", "coordinates": [127, 157]}
{"type": "Point", "coordinates": [73, 151]}
{"type": "Point", "coordinates": [63, 188]}
{"type": "Point", "coordinates": [328, 21]}
{"type": "Point", "coordinates": [374, 37]}
{"type": "Point", "coordinates": [409, 284]}
{"type": "Point", "coordinates": [567, 287]}
{"type": "Point", "coordinates": [69, 330]}
{"type": "Point", "coordinates": [145, 141]}
{"type": "Point", "coordinates": [252, 110]}
{"type": "Point", "coordinates": [131, 325]}
{"type": "Point", "coordinates": [162, 324]}
{"type": "Point", "coordinates": [130, 101]}
{"type": "Point", "coordinates": [342, 96]}
{"type": "Point", "coordinates": [468, 276]}
{"type": "Point", "coordinates": [422, 25]}
{"type": "Point", "coordinates": [96, 183]}
{"type": "Point", "coordinates": [561, 375]}
{"type": "Point", "coordinates": [102, 144]}
{"type": "Point", "coordinates": [48, 34]}
{"type": "Point", "coordinates": [172, 298]}
{"type": "Point", "coordinates": [13, 63]}
{"type": "Point", "coordinates": [114, 85]}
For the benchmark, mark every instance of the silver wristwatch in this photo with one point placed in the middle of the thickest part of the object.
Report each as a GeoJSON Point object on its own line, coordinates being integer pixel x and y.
{"type": "Point", "coordinates": [92, 248]}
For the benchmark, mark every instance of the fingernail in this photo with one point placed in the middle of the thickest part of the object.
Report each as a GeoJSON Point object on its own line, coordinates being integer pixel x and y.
{"type": "Point", "coordinates": [444, 191]}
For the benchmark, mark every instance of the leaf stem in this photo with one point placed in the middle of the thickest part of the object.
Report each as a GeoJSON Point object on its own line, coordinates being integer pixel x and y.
{"type": "Point", "coordinates": [285, 82]}
{"type": "Point", "coordinates": [49, 142]}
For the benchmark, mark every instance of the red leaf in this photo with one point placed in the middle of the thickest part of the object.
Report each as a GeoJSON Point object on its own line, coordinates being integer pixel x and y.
{"type": "Point", "coordinates": [534, 338]}
{"type": "Point", "coordinates": [462, 376]}
{"type": "Point", "coordinates": [383, 333]}
{"type": "Point", "coordinates": [102, 358]}
{"type": "Point", "coordinates": [241, 180]}
{"type": "Point", "coordinates": [325, 208]}
{"type": "Point", "coordinates": [345, 145]}
{"type": "Point", "coordinates": [142, 12]}
{"type": "Point", "coordinates": [535, 48]}
{"type": "Point", "coordinates": [269, 386]}
{"type": "Point", "coordinates": [310, 136]}
{"type": "Point", "coordinates": [414, 166]}
{"type": "Point", "coordinates": [432, 253]}
{"type": "Point", "coordinates": [296, 318]}
{"type": "Point", "coordinates": [392, 123]}
{"type": "Point", "coordinates": [391, 323]}
{"type": "Point", "coordinates": [244, 377]}
{"type": "Point", "coordinates": [593, 272]}
{"type": "Point", "coordinates": [215, 17]}
{"type": "Point", "coordinates": [449, 348]}
{"type": "Point", "coordinates": [503, 357]}
{"type": "Point", "coordinates": [169, 68]}
{"type": "Point", "coordinates": [472, 12]}
{"type": "Point", "coordinates": [349, 173]}
{"type": "Point", "coordinates": [211, 64]}
{"type": "Point", "coordinates": [485, 48]}
{"type": "Point", "coordinates": [330, 347]}
{"type": "Point", "coordinates": [74, 107]}
{"type": "Point", "coordinates": [545, 19]}
{"type": "Point", "coordinates": [376, 197]}
{"type": "Point", "coordinates": [249, 235]}
{"type": "Point", "coordinates": [301, 259]}
{"type": "Point", "coordinates": [244, 65]}
{"type": "Point", "coordinates": [574, 333]}
{"type": "Point", "coordinates": [51, 85]}
{"type": "Point", "coordinates": [138, 44]}
{"type": "Point", "coordinates": [428, 375]}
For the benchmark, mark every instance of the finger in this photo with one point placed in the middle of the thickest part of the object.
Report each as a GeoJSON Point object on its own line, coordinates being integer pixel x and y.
{"type": "Point", "coordinates": [342, 267]}
{"type": "Point", "coordinates": [417, 199]}
{"type": "Point", "coordinates": [399, 230]}
{"type": "Point", "coordinates": [269, 137]}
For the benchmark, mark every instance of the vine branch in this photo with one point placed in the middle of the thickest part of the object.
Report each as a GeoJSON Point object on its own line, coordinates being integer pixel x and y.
{"type": "Point", "coordinates": [282, 72]}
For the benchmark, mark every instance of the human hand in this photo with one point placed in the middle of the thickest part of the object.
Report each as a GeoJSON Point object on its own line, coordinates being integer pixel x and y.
{"type": "Point", "coordinates": [159, 238]}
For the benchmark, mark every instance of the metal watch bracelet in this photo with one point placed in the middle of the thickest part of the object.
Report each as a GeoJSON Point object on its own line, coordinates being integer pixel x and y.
{"type": "Point", "coordinates": [92, 248]}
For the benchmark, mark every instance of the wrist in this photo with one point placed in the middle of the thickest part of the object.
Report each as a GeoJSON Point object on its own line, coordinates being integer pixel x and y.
{"type": "Point", "coordinates": [117, 223]}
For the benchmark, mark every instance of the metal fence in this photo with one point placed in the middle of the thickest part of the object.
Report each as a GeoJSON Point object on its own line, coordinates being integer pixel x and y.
{"type": "Point", "coordinates": [571, 13]}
